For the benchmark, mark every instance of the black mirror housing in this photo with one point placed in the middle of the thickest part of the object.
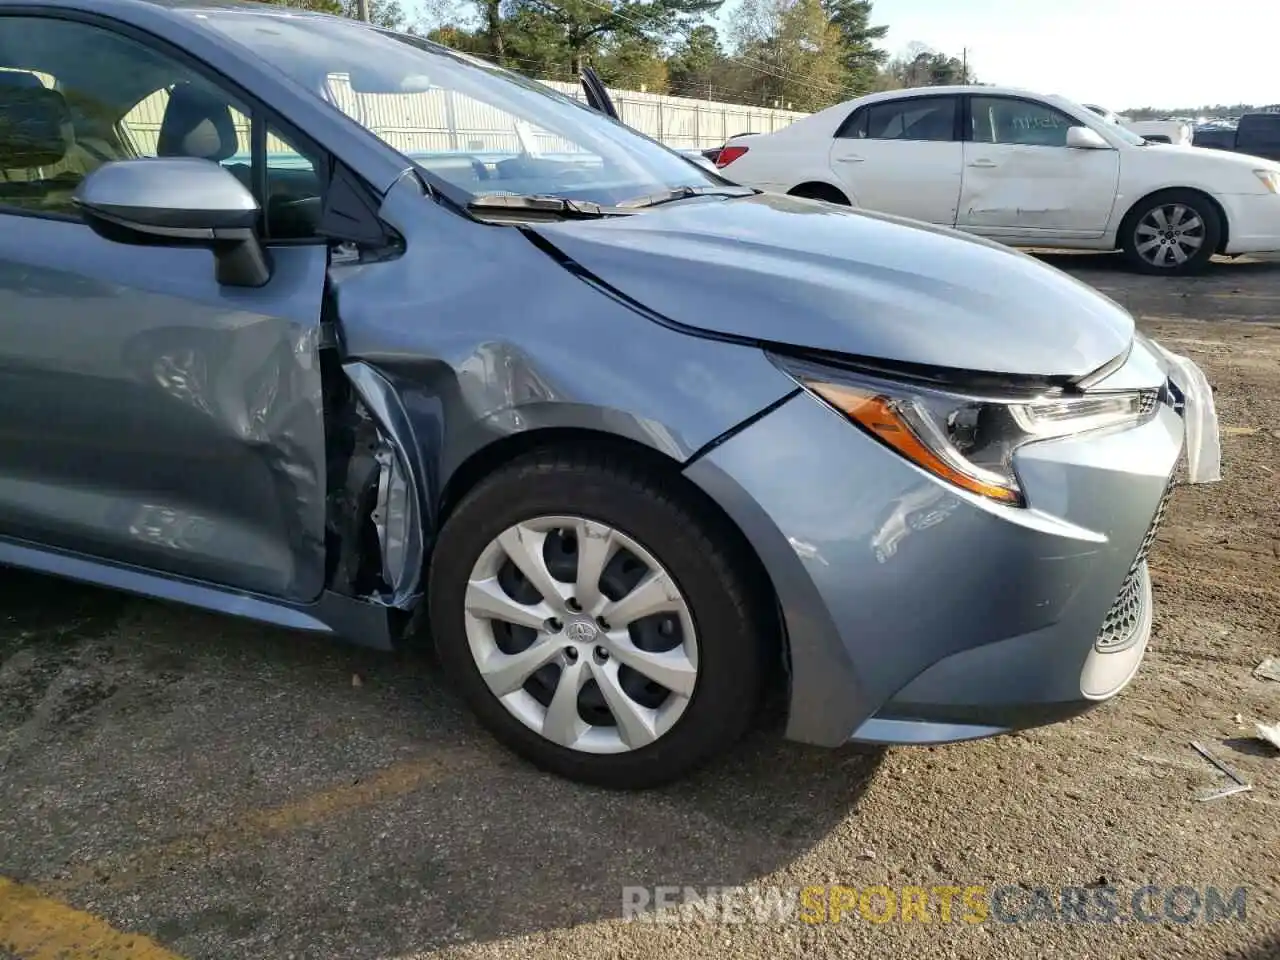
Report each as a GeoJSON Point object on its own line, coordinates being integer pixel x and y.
{"type": "Point", "coordinates": [178, 202]}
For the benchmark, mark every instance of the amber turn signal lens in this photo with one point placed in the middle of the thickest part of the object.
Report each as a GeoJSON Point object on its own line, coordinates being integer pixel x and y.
{"type": "Point", "coordinates": [877, 415]}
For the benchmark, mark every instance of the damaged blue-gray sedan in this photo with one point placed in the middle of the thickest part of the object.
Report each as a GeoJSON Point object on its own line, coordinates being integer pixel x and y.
{"type": "Point", "coordinates": [339, 330]}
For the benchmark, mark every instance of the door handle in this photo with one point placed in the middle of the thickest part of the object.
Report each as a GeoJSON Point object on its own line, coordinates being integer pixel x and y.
{"type": "Point", "coordinates": [849, 159]}
{"type": "Point", "coordinates": [984, 164]}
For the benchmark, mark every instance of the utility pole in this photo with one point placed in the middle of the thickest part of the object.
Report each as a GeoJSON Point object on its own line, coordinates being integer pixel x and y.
{"type": "Point", "coordinates": [362, 10]}
{"type": "Point", "coordinates": [964, 60]}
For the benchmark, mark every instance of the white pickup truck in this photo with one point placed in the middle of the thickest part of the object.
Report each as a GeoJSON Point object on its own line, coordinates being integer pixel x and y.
{"type": "Point", "coordinates": [1156, 131]}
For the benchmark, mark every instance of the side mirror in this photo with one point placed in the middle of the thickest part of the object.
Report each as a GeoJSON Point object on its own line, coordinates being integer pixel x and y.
{"type": "Point", "coordinates": [178, 202]}
{"type": "Point", "coordinates": [1082, 138]}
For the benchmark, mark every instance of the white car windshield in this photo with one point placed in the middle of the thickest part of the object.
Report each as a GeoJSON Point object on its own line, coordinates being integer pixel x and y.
{"type": "Point", "coordinates": [482, 129]}
{"type": "Point", "coordinates": [1114, 124]}
{"type": "Point", "coordinates": [1128, 135]}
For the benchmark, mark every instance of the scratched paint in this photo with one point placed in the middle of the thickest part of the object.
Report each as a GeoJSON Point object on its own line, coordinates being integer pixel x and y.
{"type": "Point", "coordinates": [35, 927]}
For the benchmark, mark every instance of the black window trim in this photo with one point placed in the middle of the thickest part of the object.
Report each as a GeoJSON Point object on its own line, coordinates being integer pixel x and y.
{"type": "Point", "coordinates": [967, 129]}
{"type": "Point", "coordinates": [860, 114]}
{"type": "Point", "coordinates": [260, 114]}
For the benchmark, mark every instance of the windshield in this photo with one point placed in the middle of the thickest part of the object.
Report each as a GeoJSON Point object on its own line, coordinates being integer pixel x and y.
{"type": "Point", "coordinates": [1128, 135]}
{"type": "Point", "coordinates": [1114, 124]}
{"type": "Point", "coordinates": [482, 129]}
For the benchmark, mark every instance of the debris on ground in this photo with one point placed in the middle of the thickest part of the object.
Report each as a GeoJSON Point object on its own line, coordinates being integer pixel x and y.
{"type": "Point", "coordinates": [1268, 669]}
{"type": "Point", "coordinates": [1239, 786]}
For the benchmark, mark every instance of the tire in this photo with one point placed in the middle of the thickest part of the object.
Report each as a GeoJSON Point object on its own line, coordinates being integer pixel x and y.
{"type": "Point", "coordinates": [1195, 231]}
{"type": "Point", "coordinates": [820, 191]}
{"type": "Point", "coordinates": [731, 633]}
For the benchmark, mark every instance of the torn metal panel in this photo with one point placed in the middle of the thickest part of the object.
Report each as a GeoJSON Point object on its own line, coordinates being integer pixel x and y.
{"type": "Point", "coordinates": [1203, 443]}
{"type": "Point", "coordinates": [448, 345]}
{"type": "Point", "coordinates": [393, 517]}
{"type": "Point", "coordinates": [399, 505]}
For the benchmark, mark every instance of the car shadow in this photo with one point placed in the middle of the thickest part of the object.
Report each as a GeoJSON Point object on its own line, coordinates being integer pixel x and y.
{"type": "Point", "coordinates": [250, 792]}
{"type": "Point", "coordinates": [1115, 263]}
{"type": "Point", "coordinates": [1249, 746]}
{"type": "Point", "coordinates": [1245, 290]}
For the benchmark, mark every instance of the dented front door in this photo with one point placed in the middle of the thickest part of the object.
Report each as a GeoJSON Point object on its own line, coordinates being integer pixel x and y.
{"type": "Point", "coordinates": [1020, 179]}
{"type": "Point", "coordinates": [154, 418]}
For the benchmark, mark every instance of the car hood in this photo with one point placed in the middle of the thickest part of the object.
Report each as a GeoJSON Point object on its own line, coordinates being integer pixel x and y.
{"type": "Point", "coordinates": [786, 271]}
{"type": "Point", "coordinates": [1210, 160]}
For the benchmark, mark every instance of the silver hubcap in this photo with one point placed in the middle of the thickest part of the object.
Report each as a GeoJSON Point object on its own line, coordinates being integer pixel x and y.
{"type": "Point", "coordinates": [1169, 236]}
{"type": "Point", "coordinates": [581, 634]}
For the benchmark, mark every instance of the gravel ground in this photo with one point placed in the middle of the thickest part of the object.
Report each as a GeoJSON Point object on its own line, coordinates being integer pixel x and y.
{"type": "Point", "coordinates": [231, 791]}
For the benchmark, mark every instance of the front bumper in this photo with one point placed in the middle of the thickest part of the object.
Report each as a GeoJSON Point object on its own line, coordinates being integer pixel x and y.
{"type": "Point", "coordinates": [918, 613]}
{"type": "Point", "coordinates": [1253, 223]}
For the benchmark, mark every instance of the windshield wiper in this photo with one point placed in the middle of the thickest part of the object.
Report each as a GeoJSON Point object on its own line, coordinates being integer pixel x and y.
{"type": "Point", "coordinates": [521, 207]}
{"type": "Point", "coordinates": [685, 193]}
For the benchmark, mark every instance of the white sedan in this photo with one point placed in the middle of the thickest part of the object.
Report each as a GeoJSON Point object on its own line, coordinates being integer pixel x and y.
{"type": "Point", "coordinates": [1025, 169]}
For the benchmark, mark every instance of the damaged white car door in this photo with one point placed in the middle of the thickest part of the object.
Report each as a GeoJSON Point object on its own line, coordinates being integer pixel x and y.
{"type": "Point", "coordinates": [1021, 179]}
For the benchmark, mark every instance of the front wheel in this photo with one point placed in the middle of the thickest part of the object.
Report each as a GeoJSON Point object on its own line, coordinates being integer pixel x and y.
{"type": "Point", "coordinates": [596, 621]}
{"type": "Point", "coordinates": [1172, 233]}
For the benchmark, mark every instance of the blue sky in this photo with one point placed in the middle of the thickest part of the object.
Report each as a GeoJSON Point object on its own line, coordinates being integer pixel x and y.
{"type": "Point", "coordinates": [1119, 53]}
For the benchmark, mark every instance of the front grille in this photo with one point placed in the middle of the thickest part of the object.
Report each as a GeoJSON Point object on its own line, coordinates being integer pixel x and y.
{"type": "Point", "coordinates": [1152, 530]}
{"type": "Point", "coordinates": [1119, 627]}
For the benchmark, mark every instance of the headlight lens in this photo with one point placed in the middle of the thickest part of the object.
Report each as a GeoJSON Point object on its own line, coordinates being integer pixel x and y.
{"type": "Point", "coordinates": [970, 441]}
{"type": "Point", "coordinates": [1270, 179]}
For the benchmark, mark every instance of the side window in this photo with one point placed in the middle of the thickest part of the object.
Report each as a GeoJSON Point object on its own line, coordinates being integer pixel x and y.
{"type": "Point", "coordinates": [1260, 131]}
{"type": "Point", "coordinates": [1023, 122]}
{"type": "Point", "coordinates": [295, 174]}
{"type": "Point", "coordinates": [916, 118]}
{"type": "Point", "coordinates": [75, 96]}
{"type": "Point", "coordinates": [855, 125]}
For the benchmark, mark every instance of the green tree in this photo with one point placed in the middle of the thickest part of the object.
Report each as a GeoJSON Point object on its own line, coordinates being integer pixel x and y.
{"type": "Point", "coordinates": [586, 24]}
{"type": "Point", "coordinates": [632, 63]}
{"type": "Point", "coordinates": [922, 66]}
{"type": "Point", "coordinates": [493, 30]}
{"type": "Point", "coordinates": [789, 54]}
{"type": "Point", "coordinates": [460, 38]}
{"type": "Point", "coordinates": [536, 46]}
{"type": "Point", "coordinates": [863, 59]}
{"type": "Point", "coordinates": [697, 65]}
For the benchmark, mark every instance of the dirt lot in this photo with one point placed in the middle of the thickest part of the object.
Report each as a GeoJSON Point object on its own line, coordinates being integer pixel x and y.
{"type": "Point", "coordinates": [214, 789]}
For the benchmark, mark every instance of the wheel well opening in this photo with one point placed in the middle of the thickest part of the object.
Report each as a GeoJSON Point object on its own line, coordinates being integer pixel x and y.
{"type": "Point", "coordinates": [508, 449]}
{"type": "Point", "coordinates": [1127, 223]}
{"type": "Point", "coordinates": [817, 190]}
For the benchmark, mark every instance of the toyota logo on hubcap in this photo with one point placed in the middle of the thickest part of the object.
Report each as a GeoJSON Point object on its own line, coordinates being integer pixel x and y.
{"type": "Point", "coordinates": [581, 631]}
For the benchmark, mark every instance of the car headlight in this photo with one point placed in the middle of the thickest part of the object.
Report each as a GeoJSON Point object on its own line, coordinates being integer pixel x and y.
{"type": "Point", "coordinates": [1270, 179]}
{"type": "Point", "coordinates": [970, 441]}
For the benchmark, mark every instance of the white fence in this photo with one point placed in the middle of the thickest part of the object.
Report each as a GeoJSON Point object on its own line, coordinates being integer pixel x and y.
{"type": "Point", "coordinates": [446, 121]}
{"type": "Point", "coordinates": [683, 122]}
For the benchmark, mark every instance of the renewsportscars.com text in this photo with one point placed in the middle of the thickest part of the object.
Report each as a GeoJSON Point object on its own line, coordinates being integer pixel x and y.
{"type": "Point", "coordinates": [937, 903]}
